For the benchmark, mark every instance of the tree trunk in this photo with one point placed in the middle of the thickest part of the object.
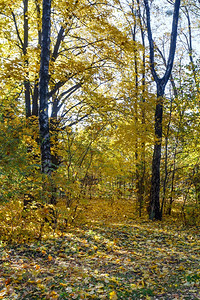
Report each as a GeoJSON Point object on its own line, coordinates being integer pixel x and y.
{"type": "Point", "coordinates": [175, 92]}
{"type": "Point", "coordinates": [143, 148]}
{"type": "Point", "coordinates": [135, 114]}
{"type": "Point", "coordinates": [44, 82]}
{"type": "Point", "coordinates": [154, 210]}
{"type": "Point", "coordinates": [25, 46]}
{"type": "Point", "coordinates": [190, 49]}
{"type": "Point", "coordinates": [35, 108]}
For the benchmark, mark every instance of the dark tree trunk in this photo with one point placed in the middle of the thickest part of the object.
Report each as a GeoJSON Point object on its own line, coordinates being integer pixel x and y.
{"type": "Point", "coordinates": [175, 92]}
{"type": "Point", "coordinates": [35, 108]}
{"type": "Point", "coordinates": [143, 150]}
{"type": "Point", "coordinates": [25, 46]}
{"type": "Point", "coordinates": [135, 114]}
{"type": "Point", "coordinates": [154, 211]}
{"type": "Point", "coordinates": [35, 97]}
{"type": "Point", "coordinates": [44, 82]}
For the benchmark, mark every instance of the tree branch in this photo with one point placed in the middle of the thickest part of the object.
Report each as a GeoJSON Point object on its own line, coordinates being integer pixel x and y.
{"type": "Point", "coordinates": [173, 41]}
{"type": "Point", "coordinates": [170, 61]}
{"type": "Point", "coordinates": [18, 35]}
{"type": "Point", "coordinates": [151, 43]}
{"type": "Point", "coordinates": [58, 42]}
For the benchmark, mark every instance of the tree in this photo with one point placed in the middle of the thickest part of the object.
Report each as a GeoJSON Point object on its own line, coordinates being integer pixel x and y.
{"type": "Point", "coordinates": [44, 84]}
{"type": "Point", "coordinates": [154, 211]}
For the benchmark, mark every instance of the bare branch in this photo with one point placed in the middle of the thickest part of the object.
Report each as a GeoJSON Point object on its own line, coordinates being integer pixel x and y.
{"type": "Point", "coordinates": [60, 37]}
{"type": "Point", "coordinates": [170, 61]}
{"type": "Point", "coordinates": [17, 31]}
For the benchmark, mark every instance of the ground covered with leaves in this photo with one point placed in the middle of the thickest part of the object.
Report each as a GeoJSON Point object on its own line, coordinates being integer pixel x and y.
{"type": "Point", "coordinates": [129, 260]}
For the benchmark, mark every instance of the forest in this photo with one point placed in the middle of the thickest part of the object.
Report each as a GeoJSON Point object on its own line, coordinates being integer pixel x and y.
{"type": "Point", "coordinates": [99, 149]}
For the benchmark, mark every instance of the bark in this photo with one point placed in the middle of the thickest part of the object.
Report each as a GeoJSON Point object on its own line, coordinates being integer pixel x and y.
{"type": "Point", "coordinates": [35, 105]}
{"type": "Point", "coordinates": [175, 92]}
{"type": "Point", "coordinates": [135, 113]}
{"type": "Point", "coordinates": [171, 200]}
{"type": "Point", "coordinates": [43, 93]}
{"type": "Point", "coordinates": [54, 131]}
{"type": "Point", "coordinates": [25, 46]}
{"type": "Point", "coordinates": [143, 150]}
{"type": "Point", "coordinates": [154, 211]}
{"type": "Point", "coordinates": [35, 108]}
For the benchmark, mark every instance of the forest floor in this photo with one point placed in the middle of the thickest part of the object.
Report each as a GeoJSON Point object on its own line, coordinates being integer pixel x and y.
{"type": "Point", "coordinates": [129, 259]}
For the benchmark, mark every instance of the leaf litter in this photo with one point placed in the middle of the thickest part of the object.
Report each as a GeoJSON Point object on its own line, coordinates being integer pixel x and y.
{"type": "Point", "coordinates": [138, 260]}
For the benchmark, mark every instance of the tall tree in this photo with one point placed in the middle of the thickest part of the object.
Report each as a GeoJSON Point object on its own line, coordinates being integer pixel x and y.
{"type": "Point", "coordinates": [190, 46]}
{"type": "Point", "coordinates": [44, 83]}
{"type": "Point", "coordinates": [155, 212]}
{"type": "Point", "coordinates": [25, 46]}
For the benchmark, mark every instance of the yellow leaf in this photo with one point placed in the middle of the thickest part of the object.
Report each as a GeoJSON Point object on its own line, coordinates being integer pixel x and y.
{"type": "Point", "coordinates": [154, 267]}
{"type": "Point", "coordinates": [41, 286]}
{"type": "Point", "coordinates": [54, 295]}
{"type": "Point", "coordinates": [133, 286]}
{"type": "Point", "coordinates": [63, 284]}
{"type": "Point", "coordinates": [113, 295]}
{"type": "Point", "coordinates": [50, 258]}
{"type": "Point", "coordinates": [19, 278]}
{"type": "Point", "coordinates": [37, 267]}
